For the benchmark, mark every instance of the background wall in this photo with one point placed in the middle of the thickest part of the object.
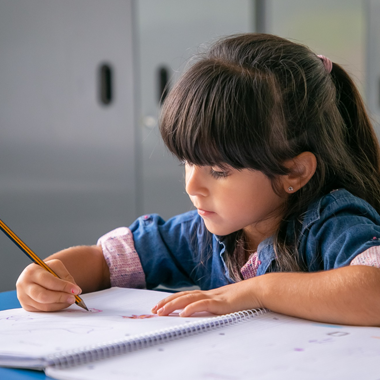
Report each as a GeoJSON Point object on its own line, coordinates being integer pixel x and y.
{"type": "Point", "coordinates": [334, 28]}
{"type": "Point", "coordinates": [72, 168]}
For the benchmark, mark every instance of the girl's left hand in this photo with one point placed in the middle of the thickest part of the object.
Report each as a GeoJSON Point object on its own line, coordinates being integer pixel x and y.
{"type": "Point", "coordinates": [242, 295]}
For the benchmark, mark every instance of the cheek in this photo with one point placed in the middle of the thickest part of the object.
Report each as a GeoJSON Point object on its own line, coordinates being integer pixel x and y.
{"type": "Point", "coordinates": [255, 196]}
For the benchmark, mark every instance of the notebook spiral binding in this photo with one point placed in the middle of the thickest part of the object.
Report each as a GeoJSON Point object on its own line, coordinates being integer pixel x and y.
{"type": "Point", "coordinates": [102, 351]}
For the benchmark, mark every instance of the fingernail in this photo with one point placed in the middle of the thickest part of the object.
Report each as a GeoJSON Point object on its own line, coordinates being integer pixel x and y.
{"type": "Point", "coordinates": [70, 299]}
{"type": "Point", "coordinates": [155, 308]}
{"type": "Point", "coordinates": [160, 311]}
{"type": "Point", "coordinates": [76, 291]}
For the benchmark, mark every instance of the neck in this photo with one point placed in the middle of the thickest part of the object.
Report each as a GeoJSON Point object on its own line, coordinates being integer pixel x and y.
{"type": "Point", "coordinates": [253, 235]}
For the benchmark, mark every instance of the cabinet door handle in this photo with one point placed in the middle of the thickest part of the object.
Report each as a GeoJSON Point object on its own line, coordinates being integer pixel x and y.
{"type": "Point", "coordinates": [106, 85]}
{"type": "Point", "coordinates": [163, 83]}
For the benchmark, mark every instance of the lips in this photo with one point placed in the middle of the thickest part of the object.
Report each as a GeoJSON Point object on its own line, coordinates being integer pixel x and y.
{"type": "Point", "coordinates": [202, 212]}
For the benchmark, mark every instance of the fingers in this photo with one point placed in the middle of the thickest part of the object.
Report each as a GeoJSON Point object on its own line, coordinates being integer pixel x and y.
{"type": "Point", "coordinates": [223, 300]}
{"type": "Point", "coordinates": [170, 298]}
{"type": "Point", "coordinates": [44, 296]}
{"type": "Point", "coordinates": [208, 305]}
{"type": "Point", "coordinates": [181, 301]}
{"type": "Point", "coordinates": [64, 282]}
{"type": "Point", "coordinates": [164, 301]}
{"type": "Point", "coordinates": [39, 290]}
{"type": "Point", "coordinates": [38, 298]}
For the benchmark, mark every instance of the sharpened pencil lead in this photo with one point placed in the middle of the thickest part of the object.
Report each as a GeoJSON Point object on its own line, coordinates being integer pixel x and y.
{"type": "Point", "coordinates": [82, 304]}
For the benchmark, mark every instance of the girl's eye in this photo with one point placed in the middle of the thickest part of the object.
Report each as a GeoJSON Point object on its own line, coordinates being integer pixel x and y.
{"type": "Point", "coordinates": [219, 173]}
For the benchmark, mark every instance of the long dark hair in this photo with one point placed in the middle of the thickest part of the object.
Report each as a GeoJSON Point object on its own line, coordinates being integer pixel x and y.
{"type": "Point", "coordinates": [257, 100]}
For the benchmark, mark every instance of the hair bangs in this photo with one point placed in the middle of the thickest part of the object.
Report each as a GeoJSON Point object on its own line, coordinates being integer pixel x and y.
{"type": "Point", "coordinates": [220, 114]}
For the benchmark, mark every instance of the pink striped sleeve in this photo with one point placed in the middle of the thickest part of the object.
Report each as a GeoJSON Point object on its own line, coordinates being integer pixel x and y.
{"type": "Point", "coordinates": [122, 259]}
{"type": "Point", "coordinates": [250, 268]}
{"type": "Point", "coordinates": [370, 257]}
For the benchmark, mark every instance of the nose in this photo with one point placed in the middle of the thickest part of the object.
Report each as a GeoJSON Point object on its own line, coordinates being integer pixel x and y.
{"type": "Point", "coordinates": [195, 180]}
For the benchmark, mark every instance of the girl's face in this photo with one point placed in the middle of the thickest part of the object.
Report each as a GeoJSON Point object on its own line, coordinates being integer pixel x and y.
{"type": "Point", "coordinates": [231, 200]}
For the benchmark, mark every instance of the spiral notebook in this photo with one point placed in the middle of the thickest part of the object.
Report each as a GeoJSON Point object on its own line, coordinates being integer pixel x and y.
{"type": "Point", "coordinates": [121, 339]}
{"type": "Point", "coordinates": [119, 321]}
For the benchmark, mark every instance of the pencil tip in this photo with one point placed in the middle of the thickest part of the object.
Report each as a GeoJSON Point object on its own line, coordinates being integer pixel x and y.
{"type": "Point", "coordinates": [82, 305]}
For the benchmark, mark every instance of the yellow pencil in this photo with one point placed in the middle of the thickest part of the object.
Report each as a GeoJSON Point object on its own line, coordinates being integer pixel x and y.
{"type": "Point", "coordinates": [34, 257]}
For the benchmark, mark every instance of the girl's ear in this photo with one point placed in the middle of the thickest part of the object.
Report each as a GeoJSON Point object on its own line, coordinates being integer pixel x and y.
{"type": "Point", "coordinates": [302, 168]}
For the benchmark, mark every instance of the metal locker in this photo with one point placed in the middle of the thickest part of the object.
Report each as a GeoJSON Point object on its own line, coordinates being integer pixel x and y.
{"type": "Point", "coordinates": [67, 141]}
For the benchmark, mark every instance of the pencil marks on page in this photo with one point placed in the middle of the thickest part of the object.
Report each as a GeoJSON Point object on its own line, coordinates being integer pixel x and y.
{"type": "Point", "coordinates": [90, 309]}
{"type": "Point", "coordinates": [18, 317]}
{"type": "Point", "coordinates": [142, 316]}
{"type": "Point", "coordinates": [20, 324]}
{"type": "Point", "coordinates": [40, 326]}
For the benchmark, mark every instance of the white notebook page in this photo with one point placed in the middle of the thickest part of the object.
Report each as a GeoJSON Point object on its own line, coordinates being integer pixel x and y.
{"type": "Point", "coordinates": [269, 347]}
{"type": "Point", "coordinates": [115, 314]}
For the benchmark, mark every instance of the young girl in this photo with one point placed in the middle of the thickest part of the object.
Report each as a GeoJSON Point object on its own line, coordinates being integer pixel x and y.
{"type": "Point", "coordinates": [282, 165]}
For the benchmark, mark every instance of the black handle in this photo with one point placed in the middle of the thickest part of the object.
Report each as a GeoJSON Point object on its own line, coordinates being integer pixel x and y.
{"type": "Point", "coordinates": [163, 83]}
{"type": "Point", "coordinates": [106, 85]}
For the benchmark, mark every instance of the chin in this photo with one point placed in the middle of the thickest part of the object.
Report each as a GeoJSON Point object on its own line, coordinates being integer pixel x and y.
{"type": "Point", "coordinates": [218, 230]}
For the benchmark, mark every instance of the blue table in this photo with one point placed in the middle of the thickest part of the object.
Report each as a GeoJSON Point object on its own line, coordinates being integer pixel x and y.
{"type": "Point", "coordinates": [8, 300]}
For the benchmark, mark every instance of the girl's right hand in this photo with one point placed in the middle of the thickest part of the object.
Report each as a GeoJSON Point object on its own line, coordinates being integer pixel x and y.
{"type": "Point", "coordinates": [39, 290]}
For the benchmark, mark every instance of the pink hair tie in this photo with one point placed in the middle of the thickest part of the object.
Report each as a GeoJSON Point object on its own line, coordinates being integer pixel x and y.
{"type": "Point", "coordinates": [326, 62]}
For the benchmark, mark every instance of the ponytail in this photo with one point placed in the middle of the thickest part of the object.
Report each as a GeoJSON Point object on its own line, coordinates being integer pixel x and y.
{"type": "Point", "coordinates": [360, 135]}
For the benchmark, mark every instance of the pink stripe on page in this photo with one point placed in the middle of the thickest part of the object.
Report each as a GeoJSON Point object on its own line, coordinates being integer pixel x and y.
{"type": "Point", "coordinates": [370, 257]}
{"type": "Point", "coordinates": [122, 259]}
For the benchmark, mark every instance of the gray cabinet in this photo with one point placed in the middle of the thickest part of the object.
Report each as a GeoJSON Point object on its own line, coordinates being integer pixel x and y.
{"type": "Point", "coordinates": [67, 159]}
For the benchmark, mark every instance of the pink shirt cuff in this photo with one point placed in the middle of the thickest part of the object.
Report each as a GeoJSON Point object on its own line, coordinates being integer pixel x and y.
{"type": "Point", "coordinates": [122, 259]}
{"type": "Point", "coordinates": [370, 257]}
{"type": "Point", "coordinates": [249, 269]}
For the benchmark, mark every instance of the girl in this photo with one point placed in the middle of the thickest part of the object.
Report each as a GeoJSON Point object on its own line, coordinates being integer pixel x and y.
{"type": "Point", "coordinates": [282, 164]}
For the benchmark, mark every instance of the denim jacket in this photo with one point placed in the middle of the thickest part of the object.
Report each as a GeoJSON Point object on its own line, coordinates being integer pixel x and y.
{"type": "Point", "coordinates": [182, 252]}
